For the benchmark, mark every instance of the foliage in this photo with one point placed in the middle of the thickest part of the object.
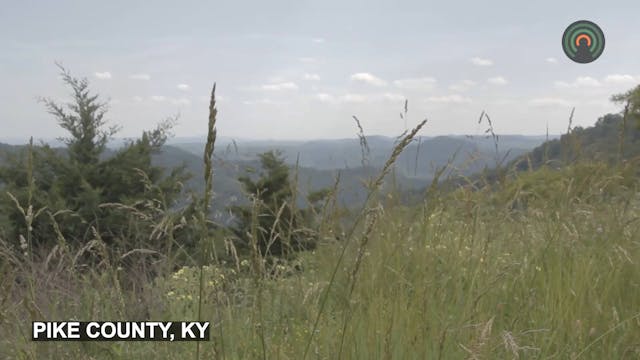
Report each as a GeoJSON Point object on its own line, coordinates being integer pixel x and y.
{"type": "Point", "coordinates": [278, 224]}
{"type": "Point", "coordinates": [85, 186]}
{"type": "Point", "coordinates": [631, 102]}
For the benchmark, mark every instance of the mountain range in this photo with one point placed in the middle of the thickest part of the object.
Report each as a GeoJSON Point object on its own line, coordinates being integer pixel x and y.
{"type": "Point", "coordinates": [316, 163]}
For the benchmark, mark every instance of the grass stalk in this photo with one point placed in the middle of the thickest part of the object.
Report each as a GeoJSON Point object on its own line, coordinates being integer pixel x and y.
{"type": "Point", "coordinates": [372, 190]}
{"type": "Point", "coordinates": [206, 201]}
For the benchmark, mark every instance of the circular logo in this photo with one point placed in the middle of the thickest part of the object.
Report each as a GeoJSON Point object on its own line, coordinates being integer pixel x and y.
{"type": "Point", "coordinates": [583, 41]}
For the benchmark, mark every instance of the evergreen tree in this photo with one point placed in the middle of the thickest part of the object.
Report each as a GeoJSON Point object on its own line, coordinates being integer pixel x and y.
{"type": "Point", "coordinates": [80, 185]}
{"type": "Point", "coordinates": [273, 217]}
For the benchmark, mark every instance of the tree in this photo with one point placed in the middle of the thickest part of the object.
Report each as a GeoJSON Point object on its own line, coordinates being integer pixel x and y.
{"type": "Point", "coordinates": [81, 184]}
{"type": "Point", "coordinates": [85, 121]}
{"type": "Point", "coordinates": [631, 102]}
{"type": "Point", "coordinates": [273, 217]}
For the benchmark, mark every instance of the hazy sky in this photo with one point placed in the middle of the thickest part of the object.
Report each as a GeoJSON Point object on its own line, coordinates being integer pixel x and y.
{"type": "Point", "coordinates": [301, 69]}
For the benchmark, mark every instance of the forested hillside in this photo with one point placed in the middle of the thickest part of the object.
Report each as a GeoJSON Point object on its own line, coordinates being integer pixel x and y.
{"type": "Point", "coordinates": [611, 139]}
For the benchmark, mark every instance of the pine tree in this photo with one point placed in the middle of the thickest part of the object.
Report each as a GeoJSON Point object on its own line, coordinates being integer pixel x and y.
{"type": "Point", "coordinates": [278, 223]}
{"type": "Point", "coordinates": [76, 182]}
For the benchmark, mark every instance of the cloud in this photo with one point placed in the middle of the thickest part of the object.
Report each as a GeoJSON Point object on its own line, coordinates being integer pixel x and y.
{"type": "Point", "coordinates": [478, 61]}
{"type": "Point", "coordinates": [319, 40]}
{"type": "Point", "coordinates": [549, 101]}
{"type": "Point", "coordinates": [184, 87]}
{"type": "Point", "coordinates": [137, 98]}
{"type": "Point", "coordinates": [451, 99]}
{"type": "Point", "coordinates": [140, 77]}
{"type": "Point", "coordinates": [353, 98]}
{"type": "Point", "coordinates": [621, 79]}
{"type": "Point", "coordinates": [368, 79]}
{"type": "Point", "coordinates": [551, 60]}
{"type": "Point", "coordinates": [587, 81]}
{"type": "Point", "coordinates": [590, 82]}
{"type": "Point", "coordinates": [462, 86]}
{"type": "Point", "coordinates": [498, 80]}
{"type": "Point", "coordinates": [181, 101]}
{"type": "Point", "coordinates": [311, 77]}
{"type": "Point", "coordinates": [103, 75]}
{"type": "Point", "coordinates": [164, 99]}
{"type": "Point", "coordinates": [264, 101]}
{"type": "Point", "coordinates": [280, 86]}
{"type": "Point", "coordinates": [582, 81]}
{"type": "Point", "coordinates": [416, 83]}
{"type": "Point", "coordinates": [324, 97]}
{"type": "Point", "coordinates": [393, 97]}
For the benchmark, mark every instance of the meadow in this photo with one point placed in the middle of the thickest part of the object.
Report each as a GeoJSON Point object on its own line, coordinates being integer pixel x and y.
{"type": "Point", "coordinates": [540, 264]}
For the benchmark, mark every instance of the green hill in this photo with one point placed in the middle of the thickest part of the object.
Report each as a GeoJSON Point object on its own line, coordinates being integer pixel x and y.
{"type": "Point", "coordinates": [609, 140]}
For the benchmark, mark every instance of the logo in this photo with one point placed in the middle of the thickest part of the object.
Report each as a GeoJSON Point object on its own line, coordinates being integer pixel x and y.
{"type": "Point", "coordinates": [583, 41]}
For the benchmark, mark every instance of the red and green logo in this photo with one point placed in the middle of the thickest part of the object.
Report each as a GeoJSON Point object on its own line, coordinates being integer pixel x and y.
{"type": "Point", "coordinates": [583, 41]}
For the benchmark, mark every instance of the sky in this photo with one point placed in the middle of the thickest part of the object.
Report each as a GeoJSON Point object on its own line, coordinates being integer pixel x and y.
{"type": "Point", "coordinates": [301, 69]}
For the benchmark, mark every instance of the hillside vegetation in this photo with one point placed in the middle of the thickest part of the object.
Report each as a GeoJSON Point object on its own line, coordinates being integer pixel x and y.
{"type": "Point", "coordinates": [540, 263]}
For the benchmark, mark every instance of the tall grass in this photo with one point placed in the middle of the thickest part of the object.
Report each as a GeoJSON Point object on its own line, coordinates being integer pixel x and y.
{"type": "Point", "coordinates": [206, 201]}
{"type": "Point", "coordinates": [542, 266]}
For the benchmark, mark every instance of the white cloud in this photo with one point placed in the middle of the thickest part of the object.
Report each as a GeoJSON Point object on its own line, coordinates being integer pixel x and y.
{"type": "Point", "coordinates": [453, 99]}
{"type": "Point", "coordinates": [181, 101]}
{"type": "Point", "coordinates": [498, 80]}
{"type": "Point", "coordinates": [481, 61]}
{"type": "Point", "coordinates": [416, 83]}
{"type": "Point", "coordinates": [549, 101]}
{"type": "Point", "coordinates": [184, 87]}
{"type": "Point", "coordinates": [353, 98]}
{"type": "Point", "coordinates": [263, 102]}
{"type": "Point", "coordinates": [590, 82]}
{"type": "Point", "coordinates": [137, 98]}
{"type": "Point", "coordinates": [368, 79]}
{"type": "Point", "coordinates": [324, 97]}
{"type": "Point", "coordinates": [280, 86]}
{"type": "Point", "coordinates": [461, 86]}
{"type": "Point", "coordinates": [393, 97]}
{"type": "Point", "coordinates": [582, 81]}
{"type": "Point", "coordinates": [158, 98]}
{"type": "Point", "coordinates": [140, 77]}
{"type": "Point", "coordinates": [311, 77]}
{"type": "Point", "coordinates": [621, 79]}
{"type": "Point", "coordinates": [551, 60]}
{"type": "Point", "coordinates": [587, 81]}
{"type": "Point", "coordinates": [357, 98]}
{"type": "Point", "coordinates": [319, 40]}
{"type": "Point", "coordinates": [103, 75]}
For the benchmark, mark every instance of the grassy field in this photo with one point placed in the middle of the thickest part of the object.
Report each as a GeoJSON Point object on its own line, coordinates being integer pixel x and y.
{"type": "Point", "coordinates": [537, 264]}
{"type": "Point", "coordinates": [543, 267]}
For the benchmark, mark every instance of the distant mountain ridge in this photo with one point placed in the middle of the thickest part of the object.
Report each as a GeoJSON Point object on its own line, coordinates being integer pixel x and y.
{"type": "Point", "coordinates": [417, 160]}
{"type": "Point", "coordinates": [319, 161]}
